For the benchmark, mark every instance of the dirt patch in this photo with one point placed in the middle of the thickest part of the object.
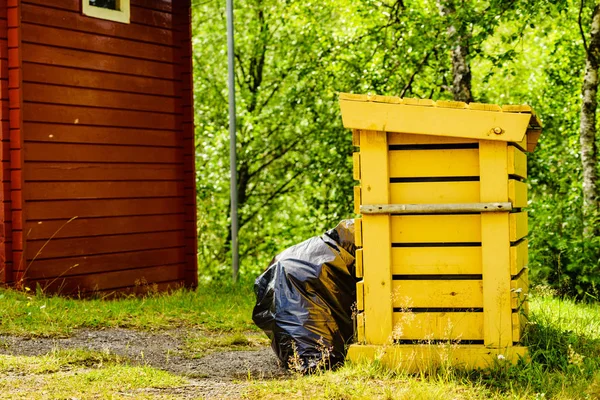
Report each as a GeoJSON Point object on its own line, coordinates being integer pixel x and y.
{"type": "Point", "coordinates": [217, 375]}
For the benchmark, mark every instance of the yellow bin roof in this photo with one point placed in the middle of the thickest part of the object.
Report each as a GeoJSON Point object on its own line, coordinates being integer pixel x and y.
{"type": "Point", "coordinates": [441, 118]}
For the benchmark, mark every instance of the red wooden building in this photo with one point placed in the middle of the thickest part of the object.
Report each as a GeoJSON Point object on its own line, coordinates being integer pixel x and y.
{"type": "Point", "coordinates": [97, 178]}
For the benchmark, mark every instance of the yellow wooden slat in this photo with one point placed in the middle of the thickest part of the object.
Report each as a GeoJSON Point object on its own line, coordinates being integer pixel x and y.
{"type": "Point", "coordinates": [517, 193]}
{"type": "Point", "coordinates": [517, 327]}
{"type": "Point", "coordinates": [376, 238]}
{"type": "Point", "coordinates": [359, 263]}
{"type": "Point", "coordinates": [434, 192]}
{"type": "Point", "coordinates": [356, 165]}
{"type": "Point", "coordinates": [356, 137]}
{"type": "Point", "coordinates": [438, 294]}
{"type": "Point", "coordinates": [517, 162]}
{"type": "Point", "coordinates": [532, 139]}
{"type": "Point", "coordinates": [433, 163]}
{"type": "Point", "coordinates": [406, 138]}
{"type": "Point", "coordinates": [518, 257]}
{"type": "Point", "coordinates": [522, 144]}
{"type": "Point", "coordinates": [418, 102]}
{"type": "Point", "coordinates": [358, 232]}
{"type": "Point", "coordinates": [484, 107]}
{"type": "Point", "coordinates": [436, 260]}
{"type": "Point", "coordinates": [438, 326]}
{"type": "Point", "coordinates": [451, 104]}
{"type": "Point", "coordinates": [518, 226]}
{"type": "Point", "coordinates": [360, 327]}
{"type": "Point", "coordinates": [519, 288]}
{"type": "Point", "coordinates": [360, 296]}
{"type": "Point", "coordinates": [357, 199]}
{"type": "Point", "coordinates": [495, 246]}
{"type": "Point", "coordinates": [436, 228]}
{"type": "Point", "coordinates": [517, 108]}
{"type": "Point", "coordinates": [421, 358]}
{"type": "Point", "coordinates": [436, 121]}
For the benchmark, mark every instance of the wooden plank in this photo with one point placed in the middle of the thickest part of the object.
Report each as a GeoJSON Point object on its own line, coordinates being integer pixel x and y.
{"type": "Point", "coordinates": [517, 162]}
{"type": "Point", "coordinates": [87, 246]}
{"type": "Point", "coordinates": [56, 75]}
{"type": "Point", "coordinates": [410, 294]}
{"type": "Point", "coordinates": [76, 21]}
{"type": "Point", "coordinates": [34, 112]}
{"type": "Point", "coordinates": [433, 163]}
{"type": "Point", "coordinates": [434, 192]}
{"type": "Point", "coordinates": [45, 171]}
{"type": "Point", "coordinates": [495, 246]}
{"type": "Point", "coordinates": [357, 199]}
{"type": "Point", "coordinates": [406, 138]}
{"type": "Point", "coordinates": [356, 138]}
{"type": "Point", "coordinates": [101, 190]}
{"type": "Point", "coordinates": [518, 257]}
{"type": "Point", "coordinates": [519, 288]}
{"type": "Point", "coordinates": [356, 165]}
{"type": "Point", "coordinates": [80, 227]}
{"type": "Point", "coordinates": [97, 62]}
{"type": "Point", "coordinates": [77, 153]}
{"type": "Point", "coordinates": [517, 193]}
{"type": "Point", "coordinates": [360, 327]}
{"type": "Point", "coordinates": [472, 124]}
{"type": "Point", "coordinates": [62, 95]}
{"type": "Point", "coordinates": [454, 326]}
{"type": "Point", "coordinates": [69, 133]}
{"type": "Point", "coordinates": [43, 210]}
{"type": "Point", "coordinates": [518, 226]}
{"type": "Point", "coordinates": [117, 279]}
{"type": "Point", "coordinates": [104, 263]}
{"type": "Point", "coordinates": [359, 263]}
{"type": "Point", "coordinates": [360, 296]}
{"type": "Point", "coordinates": [436, 228]}
{"type": "Point", "coordinates": [358, 232]}
{"type": "Point", "coordinates": [436, 261]}
{"type": "Point", "coordinates": [376, 239]}
{"type": "Point", "coordinates": [93, 42]}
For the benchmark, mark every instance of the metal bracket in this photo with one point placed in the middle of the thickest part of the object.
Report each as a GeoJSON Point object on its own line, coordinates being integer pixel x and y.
{"type": "Point", "coordinates": [434, 208]}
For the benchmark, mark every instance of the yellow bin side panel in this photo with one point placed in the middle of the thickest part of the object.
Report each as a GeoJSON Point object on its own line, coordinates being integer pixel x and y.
{"type": "Point", "coordinates": [434, 163]}
{"type": "Point", "coordinates": [436, 260]}
{"type": "Point", "coordinates": [519, 257]}
{"type": "Point", "coordinates": [407, 138]}
{"type": "Point", "coordinates": [438, 326]}
{"type": "Point", "coordinates": [408, 294]}
{"type": "Point", "coordinates": [436, 228]}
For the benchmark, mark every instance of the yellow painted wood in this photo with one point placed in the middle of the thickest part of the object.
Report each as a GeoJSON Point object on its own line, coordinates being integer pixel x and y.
{"type": "Point", "coordinates": [436, 260]}
{"type": "Point", "coordinates": [434, 192]}
{"type": "Point", "coordinates": [376, 239]}
{"type": "Point", "coordinates": [475, 124]}
{"type": "Point", "coordinates": [519, 257]}
{"type": "Point", "coordinates": [356, 137]}
{"type": "Point", "coordinates": [519, 289]}
{"type": "Point", "coordinates": [522, 145]}
{"type": "Point", "coordinates": [517, 162]}
{"type": "Point", "coordinates": [418, 102]}
{"type": "Point", "coordinates": [406, 138]}
{"type": "Point", "coordinates": [359, 263]}
{"type": "Point", "coordinates": [495, 250]}
{"type": "Point", "coordinates": [433, 163]}
{"type": "Point", "coordinates": [516, 326]}
{"type": "Point", "coordinates": [436, 228]}
{"type": "Point", "coordinates": [356, 165]}
{"type": "Point", "coordinates": [358, 232]}
{"type": "Point", "coordinates": [518, 226]}
{"type": "Point", "coordinates": [438, 325]}
{"type": "Point", "coordinates": [533, 136]}
{"type": "Point", "coordinates": [360, 296]}
{"type": "Point", "coordinates": [452, 104]}
{"type": "Point", "coordinates": [439, 294]}
{"type": "Point", "coordinates": [484, 107]}
{"type": "Point", "coordinates": [357, 199]}
{"type": "Point", "coordinates": [428, 358]}
{"type": "Point", "coordinates": [517, 193]}
{"type": "Point", "coordinates": [517, 108]}
{"type": "Point", "coordinates": [360, 328]}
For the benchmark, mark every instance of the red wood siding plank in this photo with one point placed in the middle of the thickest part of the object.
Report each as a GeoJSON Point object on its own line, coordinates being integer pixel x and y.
{"type": "Point", "coordinates": [44, 171]}
{"type": "Point", "coordinates": [95, 153]}
{"type": "Point", "coordinates": [34, 92]}
{"type": "Point", "coordinates": [43, 210]}
{"type": "Point", "coordinates": [102, 226]}
{"type": "Point", "coordinates": [40, 73]}
{"type": "Point", "coordinates": [88, 246]}
{"type": "Point", "coordinates": [97, 62]}
{"type": "Point", "coordinates": [101, 190]}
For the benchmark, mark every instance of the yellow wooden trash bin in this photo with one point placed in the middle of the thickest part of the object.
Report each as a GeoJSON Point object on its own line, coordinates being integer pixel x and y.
{"type": "Point", "coordinates": [442, 248]}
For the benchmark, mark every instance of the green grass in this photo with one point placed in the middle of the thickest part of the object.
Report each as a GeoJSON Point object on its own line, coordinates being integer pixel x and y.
{"type": "Point", "coordinates": [215, 307]}
{"type": "Point", "coordinates": [199, 344]}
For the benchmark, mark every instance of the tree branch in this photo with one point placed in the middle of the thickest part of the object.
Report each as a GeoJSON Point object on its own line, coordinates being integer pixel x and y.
{"type": "Point", "coordinates": [585, 46]}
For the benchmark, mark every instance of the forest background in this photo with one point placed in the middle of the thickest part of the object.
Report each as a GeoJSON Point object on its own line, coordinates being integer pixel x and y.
{"type": "Point", "coordinates": [294, 156]}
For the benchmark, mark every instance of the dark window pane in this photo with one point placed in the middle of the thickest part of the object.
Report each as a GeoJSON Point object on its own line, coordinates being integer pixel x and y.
{"type": "Point", "coordinates": [110, 4]}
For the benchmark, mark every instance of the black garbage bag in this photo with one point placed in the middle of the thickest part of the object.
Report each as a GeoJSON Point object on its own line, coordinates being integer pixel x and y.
{"type": "Point", "coordinates": [304, 300]}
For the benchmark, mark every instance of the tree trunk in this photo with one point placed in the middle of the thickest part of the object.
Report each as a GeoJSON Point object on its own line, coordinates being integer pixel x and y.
{"type": "Point", "coordinates": [459, 39]}
{"type": "Point", "coordinates": [587, 134]}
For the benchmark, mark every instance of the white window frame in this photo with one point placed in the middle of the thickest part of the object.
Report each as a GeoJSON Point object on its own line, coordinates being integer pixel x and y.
{"type": "Point", "coordinates": [121, 15]}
